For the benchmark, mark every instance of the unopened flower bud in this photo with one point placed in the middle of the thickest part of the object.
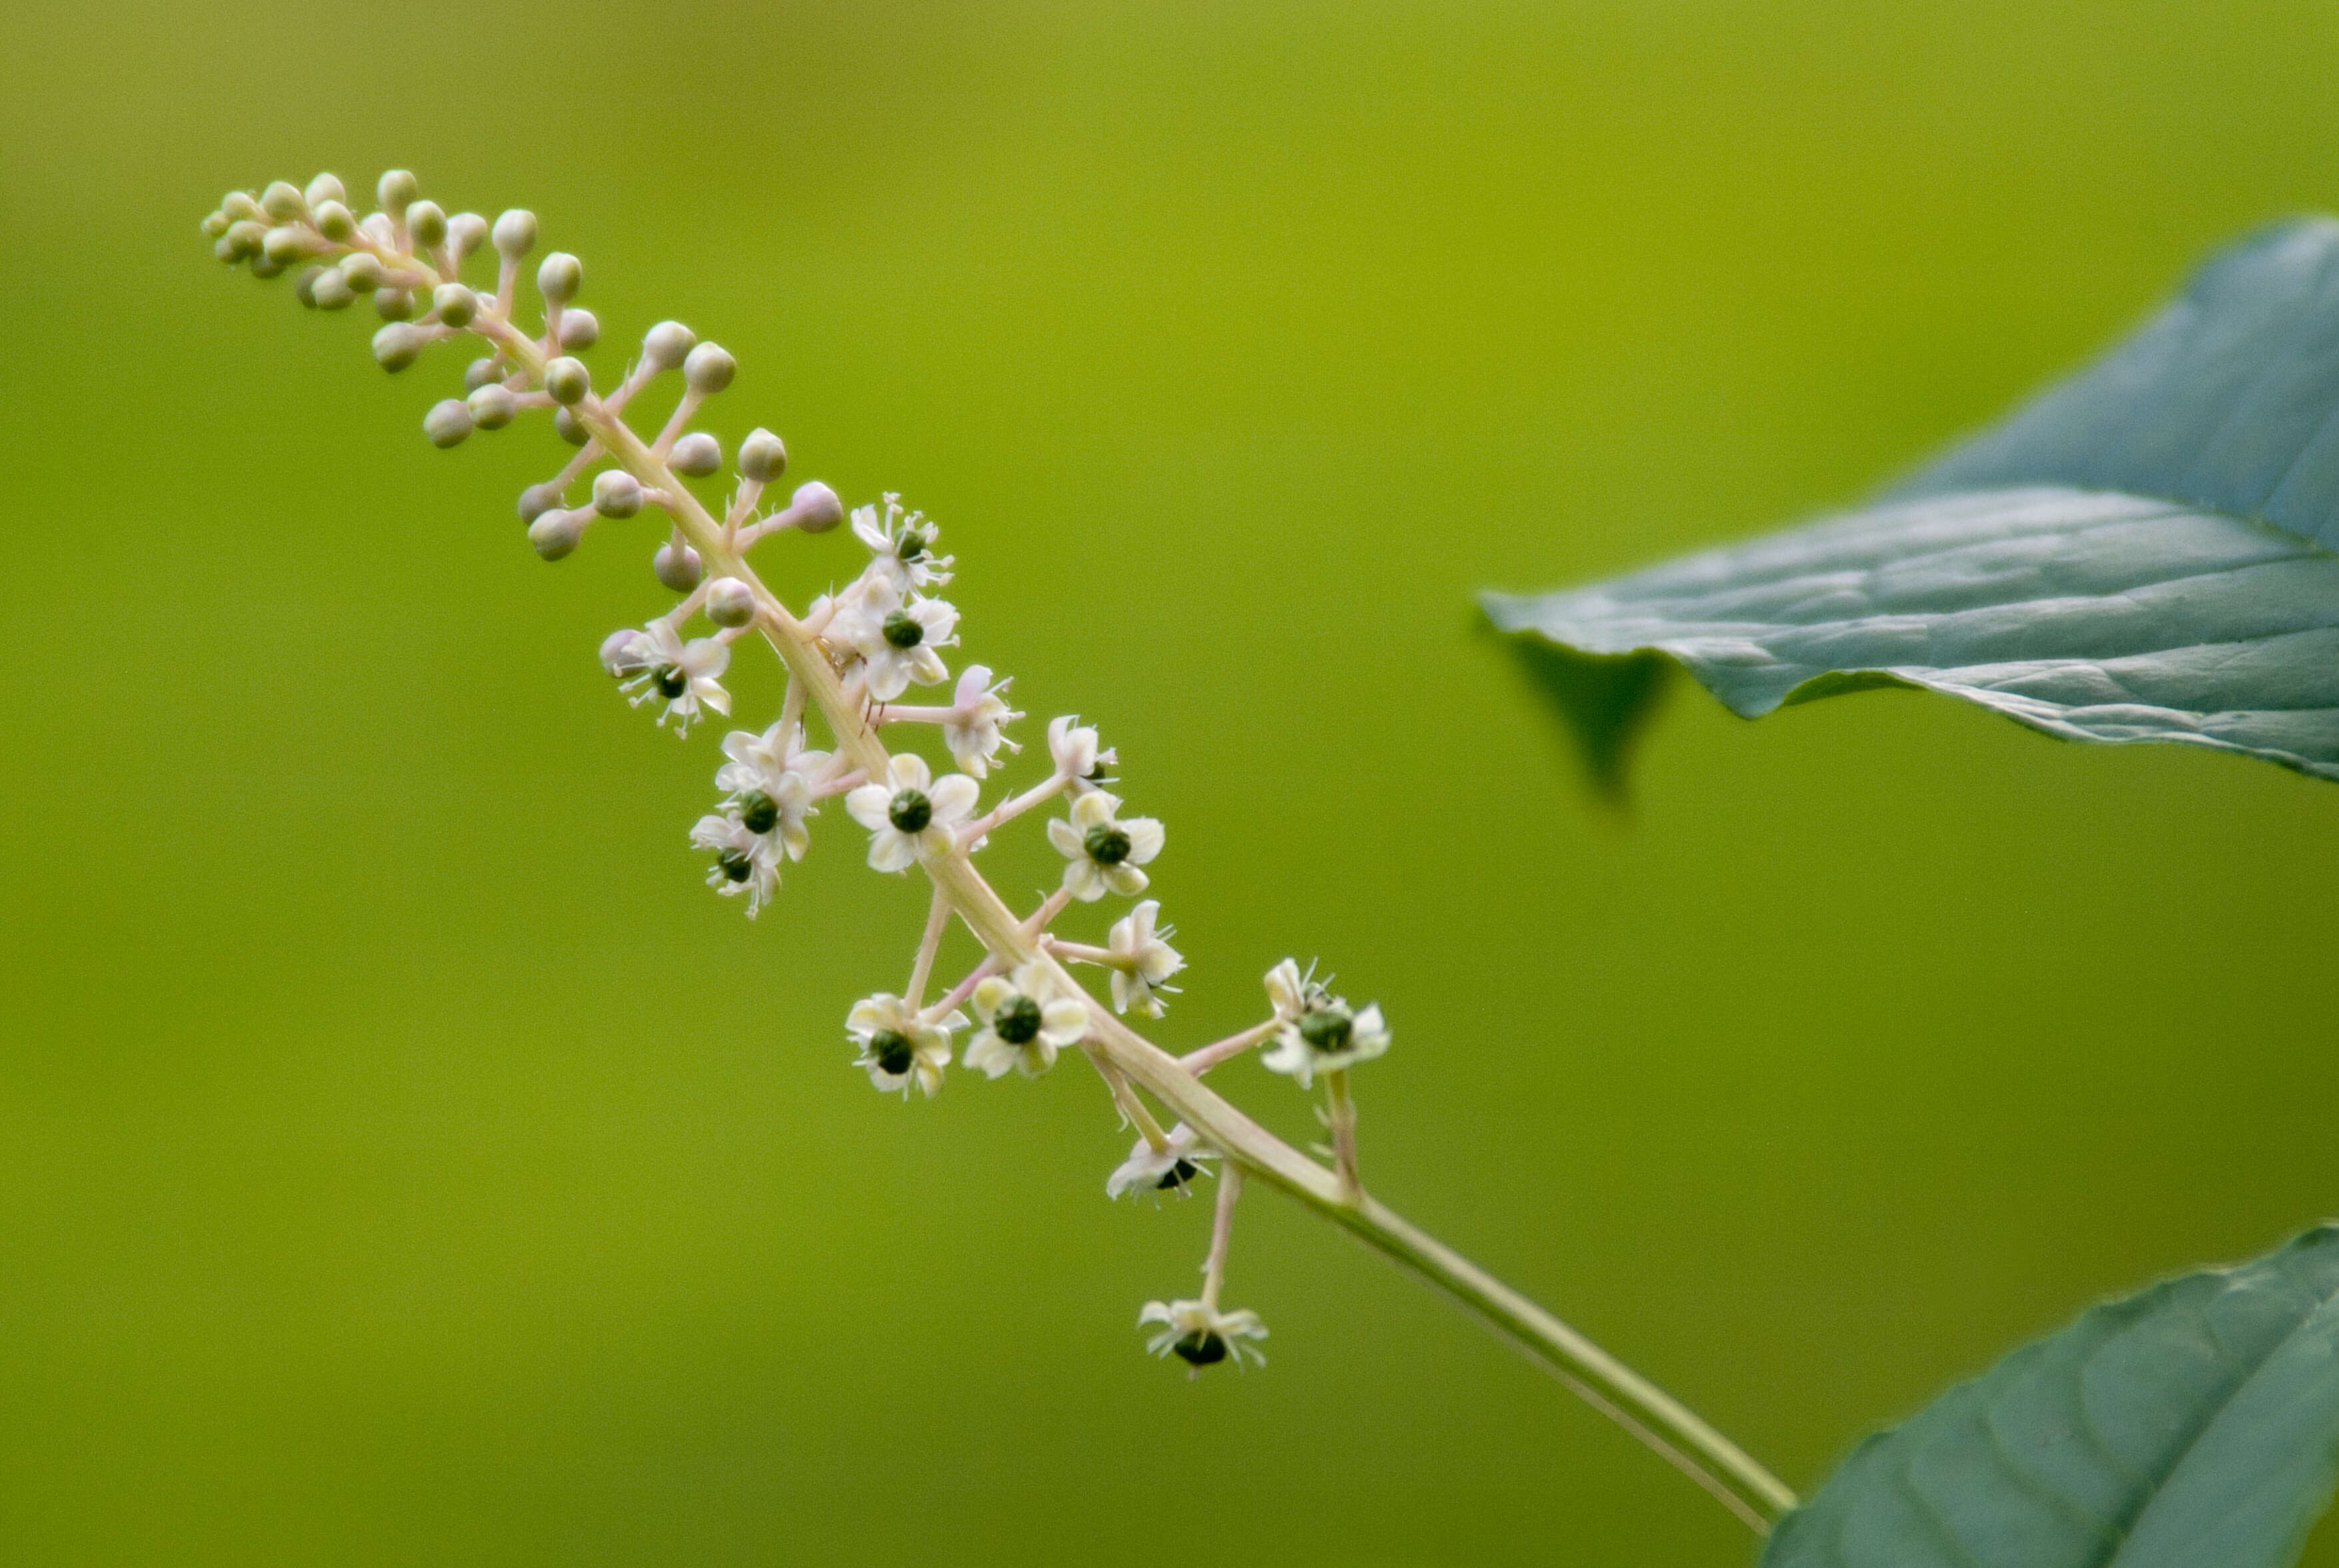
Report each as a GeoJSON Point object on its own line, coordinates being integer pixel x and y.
{"type": "Point", "coordinates": [679, 570]}
{"type": "Point", "coordinates": [325, 188]}
{"type": "Point", "coordinates": [492, 406]}
{"type": "Point", "coordinates": [708, 369]}
{"type": "Point", "coordinates": [215, 225]}
{"type": "Point", "coordinates": [730, 602]}
{"type": "Point", "coordinates": [666, 344]}
{"type": "Point", "coordinates": [336, 222]}
{"type": "Point", "coordinates": [617, 493]}
{"type": "Point", "coordinates": [397, 346]}
{"type": "Point", "coordinates": [396, 190]}
{"type": "Point", "coordinates": [515, 234]}
{"type": "Point", "coordinates": [378, 227]}
{"type": "Point", "coordinates": [266, 266]}
{"type": "Point", "coordinates": [283, 202]}
{"type": "Point", "coordinates": [393, 304]}
{"type": "Point", "coordinates": [580, 331]}
{"type": "Point", "coordinates": [284, 244]}
{"type": "Point", "coordinates": [241, 240]}
{"type": "Point", "coordinates": [239, 207]}
{"type": "Point", "coordinates": [456, 304]}
{"type": "Point", "coordinates": [331, 291]}
{"type": "Point", "coordinates": [567, 381]}
{"type": "Point", "coordinates": [761, 456]}
{"type": "Point", "coordinates": [569, 428]}
{"type": "Point", "coordinates": [815, 508]}
{"type": "Point", "coordinates": [696, 456]}
{"type": "Point", "coordinates": [556, 534]}
{"type": "Point", "coordinates": [427, 222]}
{"type": "Point", "coordinates": [538, 499]}
{"type": "Point", "coordinates": [361, 271]}
{"type": "Point", "coordinates": [447, 422]}
{"type": "Point", "coordinates": [304, 286]}
{"type": "Point", "coordinates": [466, 232]}
{"type": "Point", "coordinates": [559, 278]}
{"type": "Point", "coordinates": [480, 371]}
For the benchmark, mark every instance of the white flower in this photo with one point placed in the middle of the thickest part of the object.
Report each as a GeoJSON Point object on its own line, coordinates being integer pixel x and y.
{"type": "Point", "coordinates": [902, 544]}
{"type": "Point", "coordinates": [911, 814]}
{"type": "Point", "coordinates": [973, 735]}
{"type": "Point", "coordinates": [769, 781]}
{"type": "Point", "coordinates": [1101, 852]}
{"type": "Point", "coordinates": [1073, 746]}
{"type": "Point", "coordinates": [896, 642]}
{"type": "Point", "coordinates": [1025, 1021]}
{"type": "Point", "coordinates": [744, 861]}
{"type": "Point", "coordinates": [655, 663]}
{"type": "Point", "coordinates": [1326, 1037]}
{"type": "Point", "coordinates": [1170, 1169]}
{"type": "Point", "coordinates": [1142, 959]}
{"type": "Point", "coordinates": [897, 1046]}
{"type": "Point", "coordinates": [1201, 1336]}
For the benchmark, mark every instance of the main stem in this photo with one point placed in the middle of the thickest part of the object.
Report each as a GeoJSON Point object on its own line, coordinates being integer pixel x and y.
{"type": "Point", "coordinates": [1670, 1428]}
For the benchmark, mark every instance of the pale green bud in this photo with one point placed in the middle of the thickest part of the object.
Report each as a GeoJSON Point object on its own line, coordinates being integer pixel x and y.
{"type": "Point", "coordinates": [696, 456]}
{"type": "Point", "coordinates": [361, 271]}
{"type": "Point", "coordinates": [567, 381]}
{"type": "Point", "coordinates": [304, 286]}
{"type": "Point", "coordinates": [242, 241]}
{"type": "Point", "coordinates": [336, 222]}
{"type": "Point", "coordinates": [515, 234]}
{"type": "Point", "coordinates": [325, 188]}
{"type": "Point", "coordinates": [466, 232]}
{"type": "Point", "coordinates": [815, 508]}
{"type": "Point", "coordinates": [285, 245]}
{"type": "Point", "coordinates": [397, 190]}
{"type": "Point", "coordinates": [239, 207]}
{"type": "Point", "coordinates": [393, 304]}
{"type": "Point", "coordinates": [678, 569]}
{"type": "Point", "coordinates": [266, 266]}
{"type": "Point", "coordinates": [397, 346]}
{"type": "Point", "coordinates": [427, 222]}
{"type": "Point", "coordinates": [332, 291]}
{"type": "Point", "coordinates": [492, 408]}
{"type": "Point", "coordinates": [617, 493]}
{"type": "Point", "coordinates": [569, 428]}
{"type": "Point", "coordinates": [556, 534]}
{"type": "Point", "coordinates": [215, 225]}
{"type": "Point", "coordinates": [538, 499]}
{"type": "Point", "coordinates": [283, 202]}
{"type": "Point", "coordinates": [580, 331]}
{"type": "Point", "coordinates": [559, 278]}
{"type": "Point", "coordinates": [730, 602]}
{"type": "Point", "coordinates": [447, 422]}
{"type": "Point", "coordinates": [761, 456]}
{"type": "Point", "coordinates": [666, 344]}
{"type": "Point", "coordinates": [480, 371]}
{"type": "Point", "coordinates": [708, 369]}
{"type": "Point", "coordinates": [456, 304]}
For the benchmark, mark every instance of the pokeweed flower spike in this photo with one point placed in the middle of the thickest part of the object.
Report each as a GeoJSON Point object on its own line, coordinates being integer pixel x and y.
{"type": "Point", "coordinates": [847, 656]}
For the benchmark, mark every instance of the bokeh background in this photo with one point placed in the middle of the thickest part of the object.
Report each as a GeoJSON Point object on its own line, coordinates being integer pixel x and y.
{"type": "Point", "coordinates": [404, 1158]}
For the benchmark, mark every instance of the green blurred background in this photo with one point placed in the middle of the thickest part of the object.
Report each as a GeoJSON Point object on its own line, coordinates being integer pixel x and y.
{"type": "Point", "coordinates": [403, 1159]}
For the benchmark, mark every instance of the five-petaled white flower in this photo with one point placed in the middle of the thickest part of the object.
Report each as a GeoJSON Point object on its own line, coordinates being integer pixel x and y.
{"type": "Point", "coordinates": [1142, 959]}
{"type": "Point", "coordinates": [1172, 1167]}
{"type": "Point", "coordinates": [655, 663]}
{"type": "Point", "coordinates": [769, 782]}
{"type": "Point", "coordinates": [1201, 1336]}
{"type": "Point", "coordinates": [1101, 852]}
{"type": "Point", "coordinates": [1026, 1020]}
{"type": "Point", "coordinates": [899, 1048]}
{"type": "Point", "coordinates": [1326, 1036]}
{"type": "Point", "coordinates": [745, 861]}
{"type": "Point", "coordinates": [1073, 746]}
{"type": "Point", "coordinates": [912, 813]}
{"type": "Point", "coordinates": [896, 641]}
{"type": "Point", "coordinates": [972, 732]}
{"type": "Point", "coordinates": [904, 544]}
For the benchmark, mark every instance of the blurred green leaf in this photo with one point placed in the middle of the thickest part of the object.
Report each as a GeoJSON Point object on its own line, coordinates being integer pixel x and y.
{"type": "Point", "coordinates": [2144, 552]}
{"type": "Point", "coordinates": [2196, 1424]}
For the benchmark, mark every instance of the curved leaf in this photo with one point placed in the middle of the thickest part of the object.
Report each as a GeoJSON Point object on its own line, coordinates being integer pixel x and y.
{"type": "Point", "coordinates": [2193, 1426]}
{"type": "Point", "coordinates": [2144, 552]}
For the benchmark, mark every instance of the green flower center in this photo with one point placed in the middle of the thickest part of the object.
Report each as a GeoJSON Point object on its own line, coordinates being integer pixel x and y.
{"type": "Point", "coordinates": [671, 682]}
{"type": "Point", "coordinates": [736, 864]}
{"type": "Point", "coordinates": [1200, 1348]}
{"type": "Point", "coordinates": [1017, 1021]}
{"type": "Point", "coordinates": [909, 547]}
{"type": "Point", "coordinates": [1328, 1030]}
{"type": "Point", "coordinates": [1106, 844]}
{"type": "Point", "coordinates": [1175, 1179]}
{"type": "Point", "coordinates": [890, 1050]}
{"type": "Point", "coordinates": [759, 812]}
{"type": "Point", "coordinates": [903, 632]}
{"type": "Point", "coordinates": [910, 811]}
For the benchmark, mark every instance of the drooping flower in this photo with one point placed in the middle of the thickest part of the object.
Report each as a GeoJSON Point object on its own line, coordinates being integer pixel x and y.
{"type": "Point", "coordinates": [1101, 851]}
{"type": "Point", "coordinates": [904, 544]}
{"type": "Point", "coordinates": [898, 1047]}
{"type": "Point", "coordinates": [1172, 1167]}
{"type": "Point", "coordinates": [744, 861]}
{"type": "Point", "coordinates": [1326, 1036]}
{"type": "Point", "coordinates": [1073, 746]}
{"type": "Point", "coordinates": [1025, 1020]}
{"type": "Point", "coordinates": [1142, 959]}
{"type": "Point", "coordinates": [656, 663]}
{"type": "Point", "coordinates": [1201, 1336]}
{"type": "Point", "coordinates": [974, 735]}
{"type": "Point", "coordinates": [912, 813]}
{"type": "Point", "coordinates": [896, 641]}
